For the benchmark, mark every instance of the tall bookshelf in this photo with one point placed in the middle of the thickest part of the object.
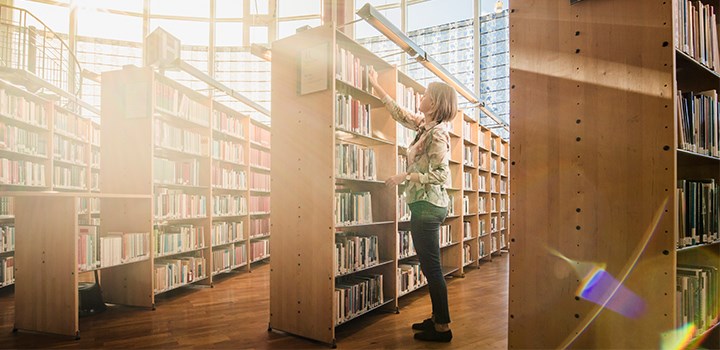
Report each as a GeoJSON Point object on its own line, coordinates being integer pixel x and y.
{"type": "Point", "coordinates": [196, 157]}
{"type": "Point", "coordinates": [43, 147]}
{"type": "Point", "coordinates": [595, 174]}
{"type": "Point", "coordinates": [310, 137]}
{"type": "Point", "coordinates": [314, 138]}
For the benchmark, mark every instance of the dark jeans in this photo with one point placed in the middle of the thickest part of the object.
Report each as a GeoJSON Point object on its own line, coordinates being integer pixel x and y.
{"type": "Point", "coordinates": [425, 229]}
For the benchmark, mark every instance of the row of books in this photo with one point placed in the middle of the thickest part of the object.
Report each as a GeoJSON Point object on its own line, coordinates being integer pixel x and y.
{"type": "Point", "coordinates": [7, 206]}
{"type": "Point", "coordinates": [228, 151]}
{"type": "Point", "coordinates": [22, 172]}
{"type": "Point", "coordinates": [467, 181]}
{"type": "Point", "coordinates": [410, 277]}
{"type": "Point", "coordinates": [69, 177]}
{"type": "Point", "coordinates": [403, 208]}
{"type": "Point", "coordinates": [408, 98]}
{"type": "Point", "coordinates": [174, 204]}
{"type": "Point", "coordinates": [260, 182]}
{"type": "Point", "coordinates": [451, 204]}
{"type": "Point", "coordinates": [260, 135]}
{"type": "Point", "coordinates": [259, 227]}
{"type": "Point", "coordinates": [172, 273]}
{"type": "Point", "coordinates": [227, 232]}
{"type": "Point", "coordinates": [402, 163]}
{"type": "Point", "coordinates": [177, 139]}
{"type": "Point", "coordinates": [259, 158]}
{"type": "Point", "coordinates": [7, 270]}
{"type": "Point", "coordinates": [225, 177]}
{"type": "Point", "coordinates": [350, 70]}
{"type": "Point", "coordinates": [259, 249]}
{"type": "Point", "coordinates": [72, 125]}
{"type": "Point", "coordinates": [466, 255]}
{"type": "Point", "coordinates": [468, 156]}
{"type": "Point", "coordinates": [405, 136]}
{"type": "Point", "coordinates": [229, 205]}
{"type": "Point", "coordinates": [228, 124]}
{"type": "Point", "coordinates": [698, 211]}
{"type": "Point", "coordinates": [173, 101]}
{"type": "Point", "coordinates": [229, 257]}
{"type": "Point", "coordinates": [466, 205]}
{"type": "Point", "coordinates": [352, 115]}
{"type": "Point", "coordinates": [698, 122]}
{"type": "Point", "coordinates": [481, 183]}
{"type": "Point", "coordinates": [406, 247]}
{"type": "Point", "coordinates": [176, 172]}
{"type": "Point", "coordinates": [95, 158]}
{"type": "Point", "coordinates": [19, 140]}
{"type": "Point", "coordinates": [696, 31]}
{"type": "Point", "coordinates": [445, 236]}
{"type": "Point", "coordinates": [355, 162]}
{"type": "Point", "coordinates": [178, 239]}
{"type": "Point", "coordinates": [355, 252]}
{"type": "Point", "coordinates": [7, 238]}
{"type": "Point", "coordinates": [18, 107]}
{"type": "Point", "coordinates": [110, 249]}
{"type": "Point", "coordinates": [353, 208]}
{"type": "Point", "coordinates": [481, 248]}
{"type": "Point", "coordinates": [467, 130]}
{"type": "Point", "coordinates": [493, 224]}
{"type": "Point", "coordinates": [696, 295]}
{"type": "Point", "coordinates": [259, 204]}
{"type": "Point", "coordinates": [356, 294]}
{"type": "Point", "coordinates": [467, 230]}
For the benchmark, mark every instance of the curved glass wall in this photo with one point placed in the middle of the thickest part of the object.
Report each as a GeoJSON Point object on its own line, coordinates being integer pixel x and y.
{"type": "Point", "coordinates": [109, 35]}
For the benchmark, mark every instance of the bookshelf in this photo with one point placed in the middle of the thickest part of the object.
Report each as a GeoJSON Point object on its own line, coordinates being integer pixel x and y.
{"type": "Point", "coordinates": [47, 252]}
{"type": "Point", "coordinates": [202, 162]}
{"type": "Point", "coordinates": [309, 137]}
{"type": "Point", "coordinates": [259, 191]}
{"type": "Point", "coordinates": [324, 139]}
{"type": "Point", "coordinates": [595, 170]}
{"type": "Point", "coordinates": [43, 147]}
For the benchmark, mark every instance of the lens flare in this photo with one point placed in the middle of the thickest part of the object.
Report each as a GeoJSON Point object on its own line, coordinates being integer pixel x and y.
{"type": "Point", "coordinates": [600, 287]}
{"type": "Point", "coordinates": [677, 339]}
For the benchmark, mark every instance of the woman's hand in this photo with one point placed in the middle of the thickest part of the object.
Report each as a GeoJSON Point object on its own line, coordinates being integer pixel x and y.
{"type": "Point", "coordinates": [372, 76]}
{"type": "Point", "coordinates": [395, 180]}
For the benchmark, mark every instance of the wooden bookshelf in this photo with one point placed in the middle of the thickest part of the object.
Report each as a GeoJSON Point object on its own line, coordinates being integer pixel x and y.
{"type": "Point", "coordinates": [595, 169]}
{"type": "Point", "coordinates": [310, 142]}
{"type": "Point", "coordinates": [59, 146]}
{"type": "Point", "coordinates": [208, 168]}
{"type": "Point", "coordinates": [46, 292]}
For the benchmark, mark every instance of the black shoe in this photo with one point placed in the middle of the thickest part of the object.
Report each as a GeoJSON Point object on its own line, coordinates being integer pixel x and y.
{"type": "Point", "coordinates": [433, 335]}
{"type": "Point", "coordinates": [425, 325]}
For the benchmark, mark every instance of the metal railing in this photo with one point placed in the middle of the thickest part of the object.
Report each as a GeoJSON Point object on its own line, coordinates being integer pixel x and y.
{"type": "Point", "coordinates": [27, 44]}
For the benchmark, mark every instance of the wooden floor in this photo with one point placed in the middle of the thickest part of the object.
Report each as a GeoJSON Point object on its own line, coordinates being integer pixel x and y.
{"type": "Point", "coordinates": [234, 314]}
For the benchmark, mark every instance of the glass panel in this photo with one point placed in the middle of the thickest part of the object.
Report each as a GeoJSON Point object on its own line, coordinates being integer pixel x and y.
{"type": "Point", "coordinates": [228, 8]}
{"type": "Point", "coordinates": [189, 32]}
{"type": "Point", "coordinates": [288, 28]}
{"type": "Point", "coordinates": [492, 6]}
{"type": "Point", "coordinates": [433, 13]}
{"type": "Point", "coordinates": [105, 25]}
{"type": "Point", "coordinates": [189, 8]}
{"type": "Point", "coordinates": [259, 35]}
{"type": "Point", "coordinates": [364, 30]}
{"type": "Point", "coordinates": [289, 8]}
{"type": "Point", "coordinates": [57, 18]}
{"type": "Point", "coordinates": [229, 34]}
{"type": "Point", "coordinates": [259, 7]}
{"type": "Point", "coordinates": [122, 5]}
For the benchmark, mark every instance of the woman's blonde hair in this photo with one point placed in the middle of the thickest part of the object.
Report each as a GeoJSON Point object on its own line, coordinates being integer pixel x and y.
{"type": "Point", "coordinates": [445, 101]}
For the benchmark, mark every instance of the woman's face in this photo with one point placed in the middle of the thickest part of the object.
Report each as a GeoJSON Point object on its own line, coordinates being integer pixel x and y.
{"type": "Point", "coordinates": [426, 103]}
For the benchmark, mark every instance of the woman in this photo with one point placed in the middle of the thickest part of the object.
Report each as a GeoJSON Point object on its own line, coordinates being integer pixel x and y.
{"type": "Point", "coordinates": [428, 168]}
